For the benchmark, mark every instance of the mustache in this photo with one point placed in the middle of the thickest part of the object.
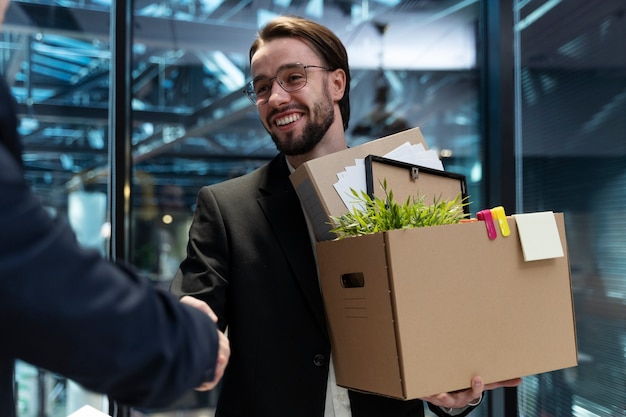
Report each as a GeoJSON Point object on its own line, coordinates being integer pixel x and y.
{"type": "Point", "coordinates": [293, 106]}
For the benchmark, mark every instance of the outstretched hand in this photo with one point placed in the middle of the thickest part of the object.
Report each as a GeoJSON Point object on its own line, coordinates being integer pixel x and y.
{"type": "Point", "coordinates": [222, 360]}
{"type": "Point", "coordinates": [224, 345]}
{"type": "Point", "coordinates": [470, 396]}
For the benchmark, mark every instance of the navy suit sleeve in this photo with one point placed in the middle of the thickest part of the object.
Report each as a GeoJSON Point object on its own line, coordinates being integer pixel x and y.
{"type": "Point", "coordinates": [66, 309]}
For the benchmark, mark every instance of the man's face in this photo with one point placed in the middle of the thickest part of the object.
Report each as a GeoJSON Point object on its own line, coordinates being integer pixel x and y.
{"type": "Point", "coordinates": [297, 121]}
{"type": "Point", "coordinates": [3, 8]}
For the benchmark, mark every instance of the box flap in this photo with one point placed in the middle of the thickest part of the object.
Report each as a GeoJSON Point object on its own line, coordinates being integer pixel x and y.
{"type": "Point", "coordinates": [313, 180]}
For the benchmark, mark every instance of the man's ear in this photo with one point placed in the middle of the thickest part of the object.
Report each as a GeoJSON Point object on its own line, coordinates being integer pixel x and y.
{"type": "Point", "coordinates": [338, 84]}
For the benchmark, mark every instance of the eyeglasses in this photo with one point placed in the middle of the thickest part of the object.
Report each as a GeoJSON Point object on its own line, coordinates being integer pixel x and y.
{"type": "Point", "coordinates": [291, 77]}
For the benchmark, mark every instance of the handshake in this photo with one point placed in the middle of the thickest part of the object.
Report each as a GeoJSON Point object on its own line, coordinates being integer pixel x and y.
{"type": "Point", "coordinates": [224, 346]}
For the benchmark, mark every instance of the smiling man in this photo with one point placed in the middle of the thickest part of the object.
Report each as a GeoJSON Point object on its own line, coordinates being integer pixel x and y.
{"type": "Point", "coordinates": [250, 253]}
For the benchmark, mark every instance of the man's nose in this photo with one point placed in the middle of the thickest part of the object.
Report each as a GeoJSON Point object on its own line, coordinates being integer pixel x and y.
{"type": "Point", "coordinates": [278, 95]}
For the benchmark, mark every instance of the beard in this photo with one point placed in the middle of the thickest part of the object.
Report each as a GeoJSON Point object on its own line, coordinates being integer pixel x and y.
{"type": "Point", "coordinates": [322, 117]}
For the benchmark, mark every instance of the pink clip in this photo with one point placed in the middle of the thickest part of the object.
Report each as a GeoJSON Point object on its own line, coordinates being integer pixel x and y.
{"type": "Point", "coordinates": [485, 215]}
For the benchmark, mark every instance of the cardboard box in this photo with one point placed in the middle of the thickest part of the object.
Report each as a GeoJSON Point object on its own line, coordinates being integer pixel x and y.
{"type": "Point", "coordinates": [314, 179]}
{"type": "Point", "coordinates": [421, 311]}
{"type": "Point", "coordinates": [416, 312]}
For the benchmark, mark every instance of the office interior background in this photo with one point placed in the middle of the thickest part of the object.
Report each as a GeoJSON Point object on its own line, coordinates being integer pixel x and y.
{"type": "Point", "coordinates": [127, 108]}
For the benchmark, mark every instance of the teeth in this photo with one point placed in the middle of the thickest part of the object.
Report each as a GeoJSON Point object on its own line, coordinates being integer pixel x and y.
{"type": "Point", "coordinates": [286, 120]}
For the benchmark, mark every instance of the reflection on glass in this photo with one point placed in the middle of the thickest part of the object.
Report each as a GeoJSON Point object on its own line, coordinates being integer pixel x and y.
{"type": "Point", "coordinates": [572, 127]}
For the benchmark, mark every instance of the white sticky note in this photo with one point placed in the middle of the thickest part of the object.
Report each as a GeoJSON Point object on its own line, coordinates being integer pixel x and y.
{"type": "Point", "coordinates": [539, 236]}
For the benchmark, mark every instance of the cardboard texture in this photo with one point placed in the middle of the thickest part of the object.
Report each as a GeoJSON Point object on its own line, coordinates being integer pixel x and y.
{"type": "Point", "coordinates": [313, 180]}
{"type": "Point", "coordinates": [421, 311]}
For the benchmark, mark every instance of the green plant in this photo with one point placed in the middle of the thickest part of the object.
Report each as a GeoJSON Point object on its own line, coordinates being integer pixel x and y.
{"type": "Point", "coordinates": [378, 215]}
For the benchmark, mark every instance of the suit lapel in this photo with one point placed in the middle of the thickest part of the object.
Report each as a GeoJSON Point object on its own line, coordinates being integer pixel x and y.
{"type": "Point", "coordinates": [282, 208]}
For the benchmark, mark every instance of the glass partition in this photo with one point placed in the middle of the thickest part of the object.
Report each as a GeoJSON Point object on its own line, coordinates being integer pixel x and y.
{"type": "Point", "coordinates": [571, 79]}
{"type": "Point", "coordinates": [56, 61]}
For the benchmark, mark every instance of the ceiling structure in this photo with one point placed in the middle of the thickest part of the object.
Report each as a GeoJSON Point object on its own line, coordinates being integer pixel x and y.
{"type": "Point", "coordinates": [190, 63]}
{"type": "Point", "coordinates": [191, 122]}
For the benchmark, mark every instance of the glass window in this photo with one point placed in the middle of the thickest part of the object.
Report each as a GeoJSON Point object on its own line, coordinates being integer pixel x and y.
{"type": "Point", "coordinates": [58, 73]}
{"type": "Point", "coordinates": [571, 78]}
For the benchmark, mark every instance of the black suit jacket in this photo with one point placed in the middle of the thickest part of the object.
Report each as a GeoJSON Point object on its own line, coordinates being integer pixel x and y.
{"type": "Point", "coordinates": [250, 257]}
{"type": "Point", "coordinates": [66, 309]}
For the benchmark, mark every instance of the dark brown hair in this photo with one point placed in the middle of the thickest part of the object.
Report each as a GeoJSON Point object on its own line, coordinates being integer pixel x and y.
{"type": "Point", "coordinates": [323, 41]}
